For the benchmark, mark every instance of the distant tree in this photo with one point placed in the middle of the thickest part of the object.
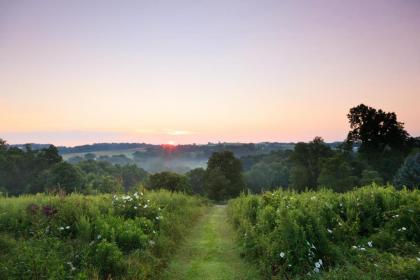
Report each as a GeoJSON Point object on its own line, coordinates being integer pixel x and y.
{"type": "Point", "coordinates": [132, 175]}
{"type": "Point", "coordinates": [90, 156]}
{"type": "Point", "coordinates": [65, 176]}
{"type": "Point", "coordinates": [231, 168]}
{"type": "Point", "coordinates": [102, 184]}
{"type": "Point", "coordinates": [409, 173]}
{"type": "Point", "coordinates": [370, 176]}
{"type": "Point", "coordinates": [170, 181]}
{"type": "Point", "coordinates": [216, 184]}
{"type": "Point", "coordinates": [196, 179]}
{"type": "Point", "coordinates": [267, 176]}
{"type": "Point", "coordinates": [306, 160]}
{"type": "Point", "coordinates": [336, 174]}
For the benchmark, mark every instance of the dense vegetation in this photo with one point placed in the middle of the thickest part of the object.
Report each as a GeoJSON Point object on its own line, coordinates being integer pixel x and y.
{"type": "Point", "coordinates": [370, 233]}
{"type": "Point", "coordinates": [126, 236]}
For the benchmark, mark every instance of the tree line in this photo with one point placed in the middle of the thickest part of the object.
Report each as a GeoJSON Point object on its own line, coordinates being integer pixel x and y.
{"type": "Point", "coordinates": [377, 150]}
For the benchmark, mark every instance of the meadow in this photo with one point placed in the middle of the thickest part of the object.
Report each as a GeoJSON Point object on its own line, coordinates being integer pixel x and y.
{"type": "Point", "coordinates": [128, 236]}
{"type": "Point", "coordinates": [368, 233]}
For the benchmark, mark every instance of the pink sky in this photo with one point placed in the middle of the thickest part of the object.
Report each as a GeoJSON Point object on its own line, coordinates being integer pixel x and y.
{"type": "Point", "coordinates": [198, 71]}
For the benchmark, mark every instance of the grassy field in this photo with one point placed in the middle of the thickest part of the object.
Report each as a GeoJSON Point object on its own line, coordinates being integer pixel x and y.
{"type": "Point", "coordinates": [369, 233]}
{"type": "Point", "coordinates": [130, 236]}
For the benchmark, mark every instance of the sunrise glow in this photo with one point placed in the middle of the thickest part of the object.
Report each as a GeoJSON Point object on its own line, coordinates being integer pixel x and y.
{"type": "Point", "coordinates": [77, 72]}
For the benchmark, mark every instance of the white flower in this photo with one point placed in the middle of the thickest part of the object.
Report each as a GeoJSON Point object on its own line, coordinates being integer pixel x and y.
{"type": "Point", "coordinates": [282, 254]}
{"type": "Point", "coordinates": [341, 204]}
{"type": "Point", "coordinates": [316, 269]}
{"type": "Point", "coordinates": [67, 227]}
{"type": "Point", "coordinates": [157, 218]}
{"type": "Point", "coordinates": [313, 197]}
{"type": "Point", "coordinates": [370, 243]}
{"type": "Point", "coordinates": [418, 259]}
{"type": "Point", "coordinates": [320, 261]}
{"type": "Point", "coordinates": [354, 247]}
{"type": "Point", "coordinates": [99, 236]}
{"type": "Point", "coordinates": [135, 207]}
{"type": "Point", "coordinates": [330, 231]}
{"type": "Point", "coordinates": [403, 228]}
{"type": "Point", "coordinates": [317, 265]}
{"type": "Point", "coordinates": [61, 228]}
{"type": "Point", "coordinates": [145, 206]}
{"type": "Point", "coordinates": [362, 249]}
{"type": "Point", "coordinates": [151, 242]}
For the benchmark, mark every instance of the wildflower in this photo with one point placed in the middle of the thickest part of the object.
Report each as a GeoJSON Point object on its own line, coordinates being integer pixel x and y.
{"type": "Point", "coordinates": [403, 228]}
{"type": "Point", "coordinates": [282, 254]}
{"type": "Point", "coordinates": [313, 197]}
{"type": "Point", "coordinates": [395, 216]}
{"type": "Point", "coordinates": [145, 206]}
{"type": "Point", "coordinates": [362, 249]}
{"type": "Point", "coordinates": [370, 243]}
{"type": "Point", "coordinates": [316, 270]}
{"type": "Point", "coordinates": [67, 227]}
{"type": "Point", "coordinates": [341, 204]}
{"type": "Point", "coordinates": [329, 231]}
{"type": "Point", "coordinates": [317, 265]}
{"type": "Point", "coordinates": [135, 207]}
{"type": "Point", "coordinates": [61, 228]}
{"type": "Point", "coordinates": [99, 236]}
{"type": "Point", "coordinates": [354, 247]}
{"type": "Point", "coordinates": [151, 242]}
{"type": "Point", "coordinates": [418, 259]}
{"type": "Point", "coordinates": [320, 261]}
{"type": "Point", "coordinates": [157, 218]}
{"type": "Point", "coordinates": [72, 268]}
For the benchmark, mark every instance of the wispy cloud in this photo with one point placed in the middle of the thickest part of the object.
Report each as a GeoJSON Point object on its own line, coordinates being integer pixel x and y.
{"type": "Point", "coordinates": [178, 132]}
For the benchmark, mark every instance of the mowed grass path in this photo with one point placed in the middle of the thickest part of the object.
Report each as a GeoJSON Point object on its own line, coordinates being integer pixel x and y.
{"type": "Point", "coordinates": [210, 252]}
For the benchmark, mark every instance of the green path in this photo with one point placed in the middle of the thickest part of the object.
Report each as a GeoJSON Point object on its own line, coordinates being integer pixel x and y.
{"type": "Point", "coordinates": [210, 253]}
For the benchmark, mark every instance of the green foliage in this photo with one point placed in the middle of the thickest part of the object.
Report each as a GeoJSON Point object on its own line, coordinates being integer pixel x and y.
{"type": "Point", "coordinates": [108, 259]}
{"type": "Point", "coordinates": [409, 173]}
{"type": "Point", "coordinates": [64, 176]}
{"type": "Point", "coordinates": [196, 180]}
{"type": "Point", "coordinates": [336, 174]}
{"type": "Point", "coordinates": [224, 168]}
{"type": "Point", "coordinates": [307, 163]}
{"type": "Point", "coordinates": [266, 176]}
{"type": "Point", "coordinates": [328, 234]}
{"type": "Point", "coordinates": [170, 181]}
{"type": "Point", "coordinates": [92, 237]}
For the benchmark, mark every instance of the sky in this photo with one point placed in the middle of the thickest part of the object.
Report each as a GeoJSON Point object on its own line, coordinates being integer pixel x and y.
{"type": "Point", "coordinates": [77, 72]}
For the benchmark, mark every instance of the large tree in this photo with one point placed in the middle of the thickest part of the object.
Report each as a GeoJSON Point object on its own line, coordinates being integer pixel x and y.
{"type": "Point", "coordinates": [376, 130]}
{"type": "Point", "coordinates": [230, 168]}
{"type": "Point", "coordinates": [384, 142]}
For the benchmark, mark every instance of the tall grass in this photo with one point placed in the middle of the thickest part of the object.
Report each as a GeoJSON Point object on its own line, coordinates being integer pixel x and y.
{"type": "Point", "coordinates": [92, 237]}
{"type": "Point", "coordinates": [369, 233]}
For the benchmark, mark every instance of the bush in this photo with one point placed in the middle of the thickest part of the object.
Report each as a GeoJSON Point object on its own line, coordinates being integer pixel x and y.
{"type": "Point", "coordinates": [92, 237]}
{"type": "Point", "coordinates": [294, 235]}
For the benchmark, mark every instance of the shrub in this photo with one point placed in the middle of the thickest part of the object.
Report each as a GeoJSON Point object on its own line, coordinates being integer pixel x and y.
{"type": "Point", "coordinates": [293, 235]}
